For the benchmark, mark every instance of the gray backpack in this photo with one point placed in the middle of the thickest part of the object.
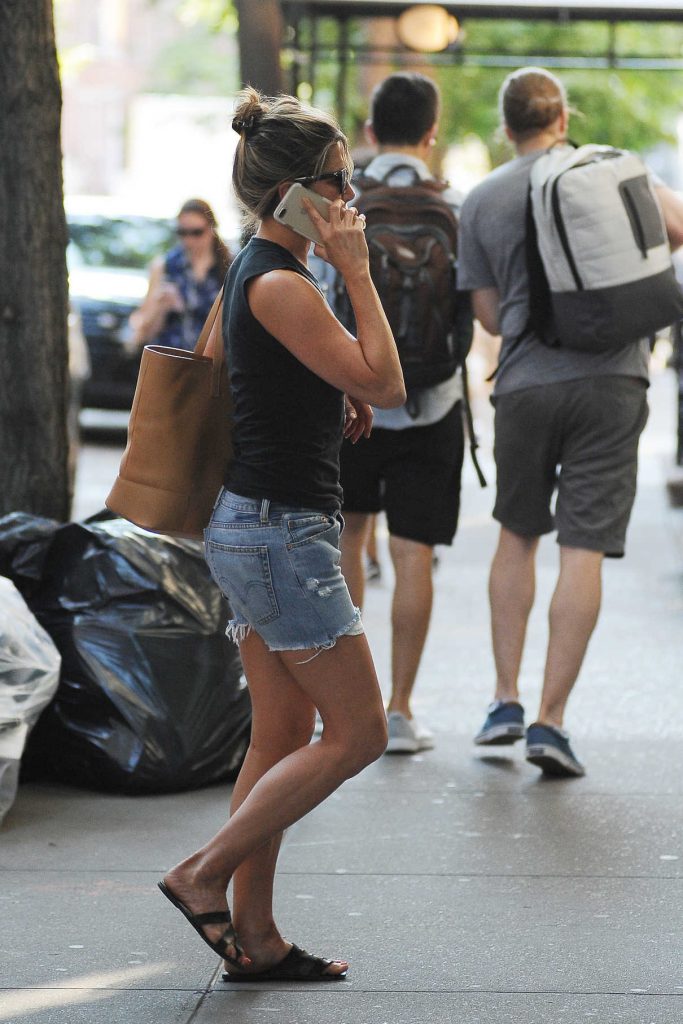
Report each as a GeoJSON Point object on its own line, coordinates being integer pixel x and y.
{"type": "Point", "coordinates": [605, 277]}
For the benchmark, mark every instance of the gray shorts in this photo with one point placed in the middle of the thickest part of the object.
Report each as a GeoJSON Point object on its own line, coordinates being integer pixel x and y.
{"type": "Point", "coordinates": [581, 438]}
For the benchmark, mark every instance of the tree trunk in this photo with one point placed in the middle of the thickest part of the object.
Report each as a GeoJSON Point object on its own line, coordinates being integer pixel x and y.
{"type": "Point", "coordinates": [260, 41]}
{"type": "Point", "coordinates": [33, 279]}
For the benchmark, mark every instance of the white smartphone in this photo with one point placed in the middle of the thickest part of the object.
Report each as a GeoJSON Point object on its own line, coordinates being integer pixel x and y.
{"type": "Point", "coordinates": [292, 213]}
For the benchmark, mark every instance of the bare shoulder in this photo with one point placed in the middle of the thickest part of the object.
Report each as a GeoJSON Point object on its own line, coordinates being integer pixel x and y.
{"type": "Point", "coordinates": [294, 311]}
{"type": "Point", "coordinates": [280, 289]}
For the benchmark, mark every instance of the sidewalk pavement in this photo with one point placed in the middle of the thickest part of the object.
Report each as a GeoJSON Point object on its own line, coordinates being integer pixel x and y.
{"type": "Point", "coordinates": [462, 888]}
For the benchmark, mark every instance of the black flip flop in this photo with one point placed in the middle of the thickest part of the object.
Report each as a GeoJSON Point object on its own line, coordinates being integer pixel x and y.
{"type": "Point", "coordinates": [229, 938]}
{"type": "Point", "coordinates": [297, 965]}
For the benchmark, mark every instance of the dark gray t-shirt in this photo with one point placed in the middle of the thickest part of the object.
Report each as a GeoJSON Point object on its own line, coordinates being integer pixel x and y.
{"type": "Point", "coordinates": [492, 255]}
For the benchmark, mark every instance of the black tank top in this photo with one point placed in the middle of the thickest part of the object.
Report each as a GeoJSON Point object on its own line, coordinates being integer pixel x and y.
{"type": "Point", "coordinates": [288, 422]}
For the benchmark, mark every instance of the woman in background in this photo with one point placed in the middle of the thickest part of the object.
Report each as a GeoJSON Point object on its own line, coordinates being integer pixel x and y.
{"type": "Point", "coordinates": [184, 283]}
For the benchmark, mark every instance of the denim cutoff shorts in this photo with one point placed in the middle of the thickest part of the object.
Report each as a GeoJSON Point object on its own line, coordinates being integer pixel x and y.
{"type": "Point", "coordinates": [278, 567]}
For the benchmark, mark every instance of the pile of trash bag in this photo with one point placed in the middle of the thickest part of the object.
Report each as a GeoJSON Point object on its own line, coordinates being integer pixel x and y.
{"type": "Point", "coordinates": [29, 674]}
{"type": "Point", "coordinates": [152, 697]}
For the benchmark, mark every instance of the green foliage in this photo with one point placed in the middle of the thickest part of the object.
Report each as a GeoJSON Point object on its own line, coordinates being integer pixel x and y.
{"type": "Point", "coordinates": [325, 74]}
{"type": "Point", "coordinates": [198, 64]}
{"type": "Point", "coordinates": [636, 110]}
{"type": "Point", "coordinates": [633, 109]}
{"type": "Point", "coordinates": [217, 15]}
{"type": "Point", "coordinates": [204, 60]}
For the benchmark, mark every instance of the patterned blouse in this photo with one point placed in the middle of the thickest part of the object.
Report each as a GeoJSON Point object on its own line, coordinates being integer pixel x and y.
{"type": "Point", "coordinates": [181, 330]}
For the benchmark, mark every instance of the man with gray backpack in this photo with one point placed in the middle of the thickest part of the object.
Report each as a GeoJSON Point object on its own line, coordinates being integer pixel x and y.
{"type": "Point", "coordinates": [410, 466]}
{"type": "Point", "coordinates": [566, 254]}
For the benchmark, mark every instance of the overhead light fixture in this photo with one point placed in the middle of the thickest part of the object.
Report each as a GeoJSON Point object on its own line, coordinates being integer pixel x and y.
{"type": "Point", "coordinates": [427, 28]}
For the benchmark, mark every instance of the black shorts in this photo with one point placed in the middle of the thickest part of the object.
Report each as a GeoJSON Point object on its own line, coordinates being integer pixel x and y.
{"type": "Point", "coordinates": [581, 438]}
{"type": "Point", "coordinates": [413, 475]}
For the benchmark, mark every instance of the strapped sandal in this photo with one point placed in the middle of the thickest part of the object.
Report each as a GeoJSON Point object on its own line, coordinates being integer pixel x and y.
{"type": "Point", "coordinates": [228, 938]}
{"type": "Point", "coordinates": [297, 965]}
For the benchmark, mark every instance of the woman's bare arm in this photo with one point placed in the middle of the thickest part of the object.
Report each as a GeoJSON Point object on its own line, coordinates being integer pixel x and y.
{"type": "Point", "coordinates": [148, 320]}
{"type": "Point", "coordinates": [293, 311]}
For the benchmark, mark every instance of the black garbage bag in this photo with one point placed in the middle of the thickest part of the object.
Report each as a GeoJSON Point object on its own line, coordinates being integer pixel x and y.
{"type": "Point", "coordinates": [151, 697]}
{"type": "Point", "coordinates": [24, 543]}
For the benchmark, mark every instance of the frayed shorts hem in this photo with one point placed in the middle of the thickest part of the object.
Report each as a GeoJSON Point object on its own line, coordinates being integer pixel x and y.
{"type": "Point", "coordinates": [237, 630]}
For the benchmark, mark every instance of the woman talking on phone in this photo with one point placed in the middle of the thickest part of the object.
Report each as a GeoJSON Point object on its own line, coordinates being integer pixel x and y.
{"type": "Point", "coordinates": [300, 382]}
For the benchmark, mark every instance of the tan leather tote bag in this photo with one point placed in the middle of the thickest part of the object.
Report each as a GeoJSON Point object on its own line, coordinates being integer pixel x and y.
{"type": "Point", "coordinates": [179, 436]}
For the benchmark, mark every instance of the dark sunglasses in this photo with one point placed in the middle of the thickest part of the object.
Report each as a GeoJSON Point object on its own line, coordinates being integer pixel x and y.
{"type": "Point", "coordinates": [190, 232]}
{"type": "Point", "coordinates": [341, 177]}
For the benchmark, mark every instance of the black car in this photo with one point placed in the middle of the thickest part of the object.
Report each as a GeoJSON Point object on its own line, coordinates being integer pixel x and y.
{"type": "Point", "coordinates": [108, 256]}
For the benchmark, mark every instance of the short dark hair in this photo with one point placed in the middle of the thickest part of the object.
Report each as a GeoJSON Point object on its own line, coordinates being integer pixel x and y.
{"type": "Point", "coordinates": [403, 108]}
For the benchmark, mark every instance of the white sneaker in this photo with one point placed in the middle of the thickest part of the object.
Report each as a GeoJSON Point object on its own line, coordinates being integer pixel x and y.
{"type": "Point", "coordinates": [406, 735]}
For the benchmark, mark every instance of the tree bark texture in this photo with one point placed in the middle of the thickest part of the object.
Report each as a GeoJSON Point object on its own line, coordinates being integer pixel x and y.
{"type": "Point", "coordinates": [33, 278]}
{"type": "Point", "coordinates": [260, 42]}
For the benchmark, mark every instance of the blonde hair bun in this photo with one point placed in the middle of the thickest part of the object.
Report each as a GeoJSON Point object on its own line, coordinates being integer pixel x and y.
{"type": "Point", "coordinates": [249, 109]}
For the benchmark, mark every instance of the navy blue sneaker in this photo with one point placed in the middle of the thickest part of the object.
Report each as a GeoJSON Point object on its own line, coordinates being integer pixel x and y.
{"type": "Point", "coordinates": [504, 725]}
{"type": "Point", "coordinates": [548, 748]}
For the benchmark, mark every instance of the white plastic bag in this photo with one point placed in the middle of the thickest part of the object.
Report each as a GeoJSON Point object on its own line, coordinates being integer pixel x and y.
{"type": "Point", "coordinates": [29, 675]}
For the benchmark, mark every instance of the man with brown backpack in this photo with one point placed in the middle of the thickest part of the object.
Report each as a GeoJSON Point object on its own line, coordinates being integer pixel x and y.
{"type": "Point", "coordinates": [411, 465]}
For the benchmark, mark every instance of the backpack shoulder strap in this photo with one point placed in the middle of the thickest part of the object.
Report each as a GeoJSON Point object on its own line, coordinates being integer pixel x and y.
{"type": "Point", "coordinates": [469, 424]}
{"type": "Point", "coordinates": [427, 196]}
{"type": "Point", "coordinates": [365, 182]}
{"type": "Point", "coordinates": [539, 317]}
{"type": "Point", "coordinates": [540, 309]}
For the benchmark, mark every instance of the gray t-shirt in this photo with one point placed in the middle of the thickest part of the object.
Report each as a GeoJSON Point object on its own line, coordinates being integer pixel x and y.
{"type": "Point", "coordinates": [433, 403]}
{"type": "Point", "coordinates": [492, 255]}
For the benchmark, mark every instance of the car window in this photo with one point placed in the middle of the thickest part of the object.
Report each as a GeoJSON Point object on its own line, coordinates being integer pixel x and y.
{"type": "Point", "coordinates": [130, 242]}
{"type": "Point", "coordinates": [74, 256]}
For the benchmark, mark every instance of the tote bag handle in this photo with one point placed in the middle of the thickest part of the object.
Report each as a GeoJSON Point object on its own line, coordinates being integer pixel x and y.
{"type": "Point", "coordinates": [211, 334]}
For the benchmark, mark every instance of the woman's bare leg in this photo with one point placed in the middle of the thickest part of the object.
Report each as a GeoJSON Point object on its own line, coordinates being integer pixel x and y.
{"type": "Point", "coordinates": [282, 721]}
{"type": "Point", "coordinates": [342, 684]}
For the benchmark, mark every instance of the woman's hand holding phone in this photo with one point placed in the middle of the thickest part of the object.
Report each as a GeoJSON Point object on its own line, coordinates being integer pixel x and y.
{"type": "Point", "coordinates": [336, 229]}
{"type": "Point", "coordinates": [342, 237]}
{"type": "Point", "coordinates": [169, 298]}
{"type": "Point", "coordinates": [291, 212]}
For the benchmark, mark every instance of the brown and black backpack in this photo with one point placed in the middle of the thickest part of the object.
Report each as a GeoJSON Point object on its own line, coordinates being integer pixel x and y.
{"type": "Point", "coordinates": [412, 236]}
